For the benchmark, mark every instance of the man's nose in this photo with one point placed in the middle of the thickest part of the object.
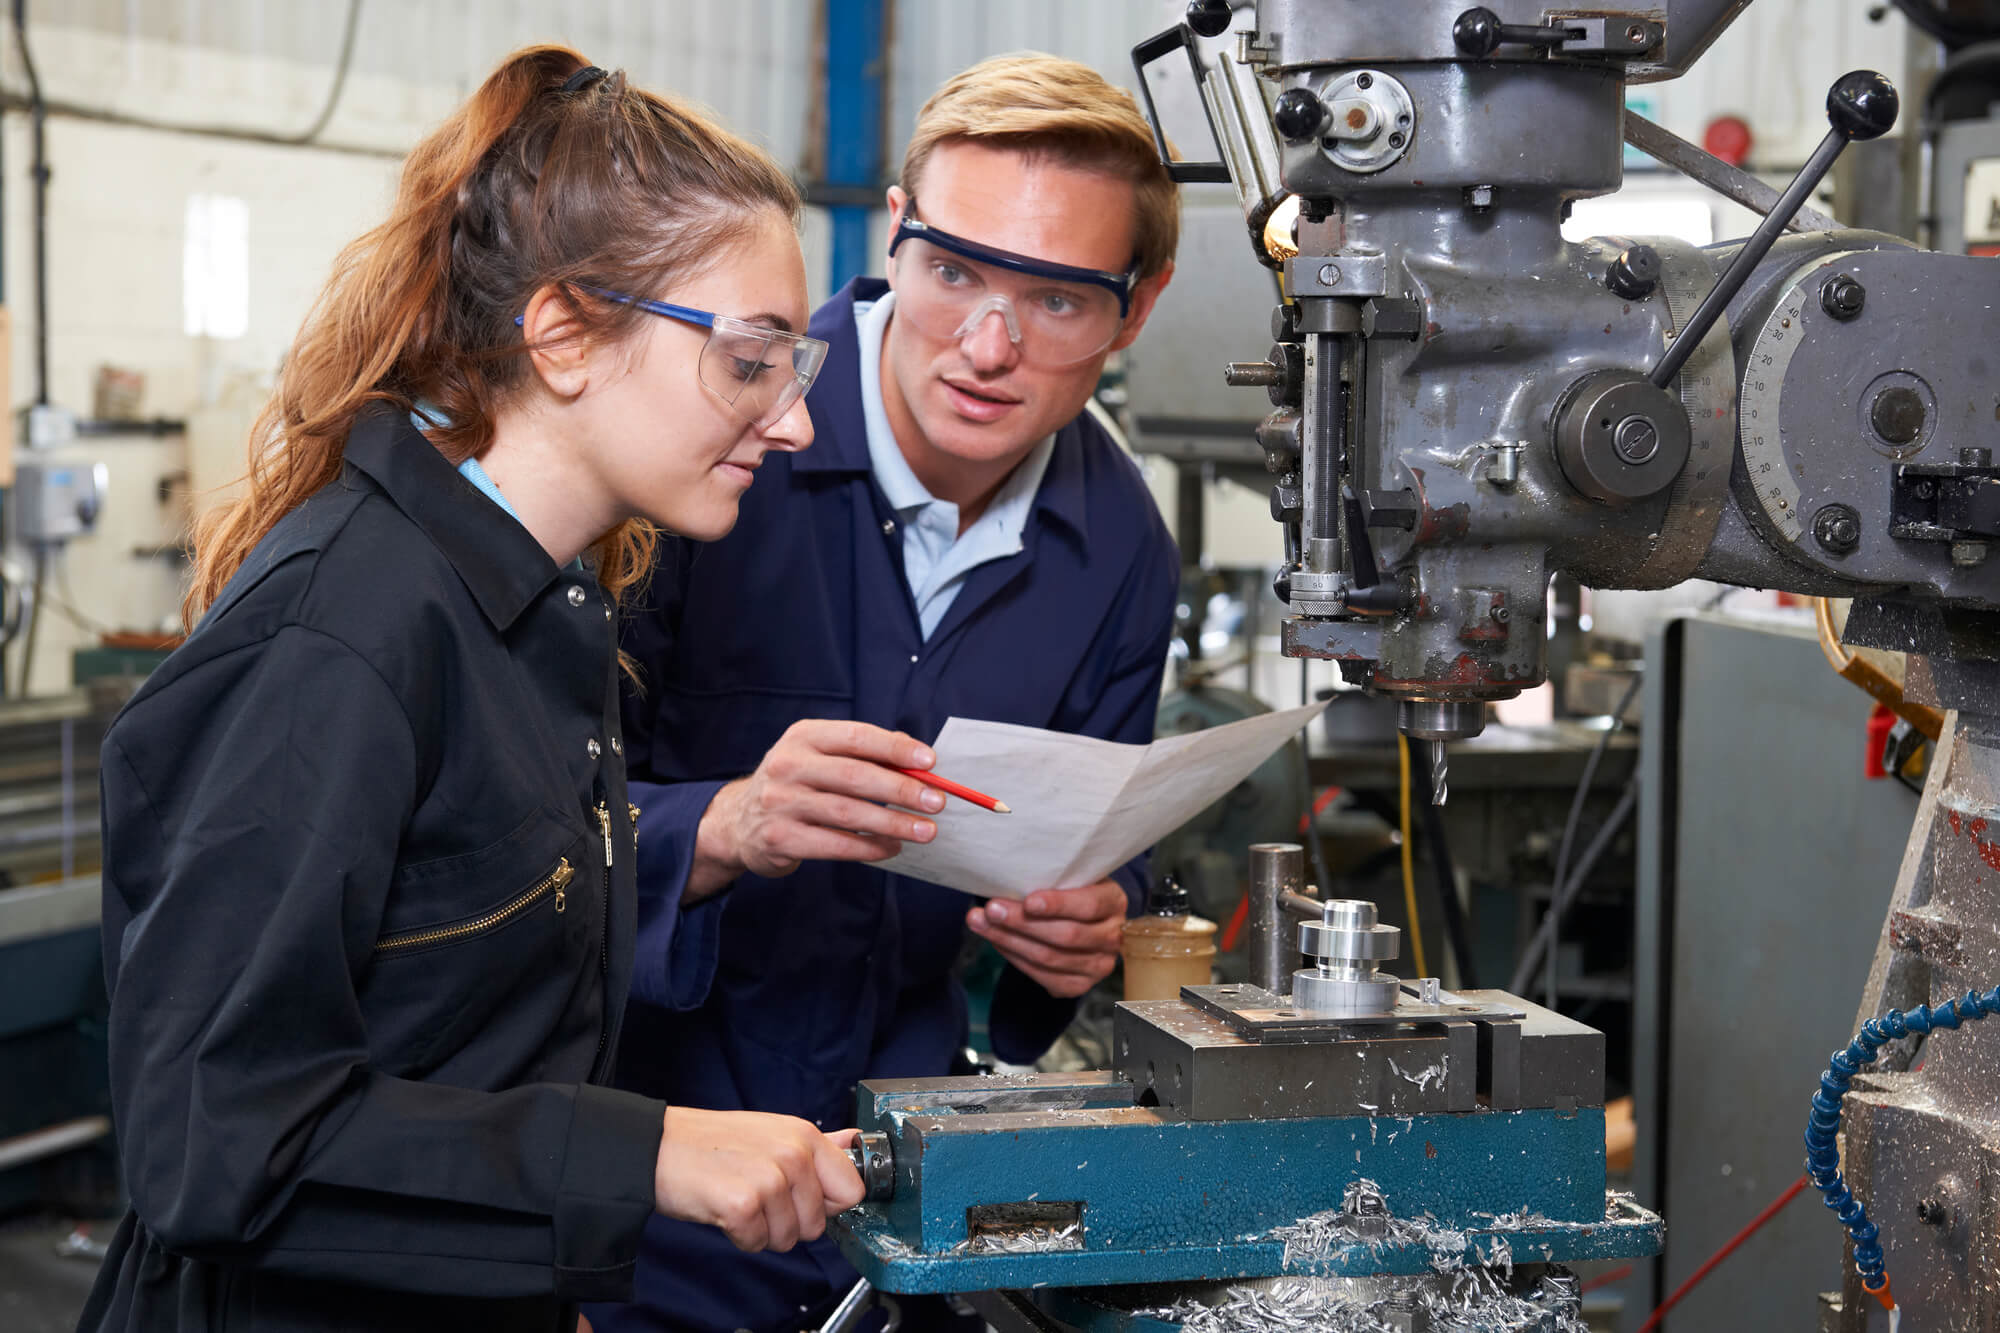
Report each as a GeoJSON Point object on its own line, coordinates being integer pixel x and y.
{"type": "Point", "coordinates": [989, 343]}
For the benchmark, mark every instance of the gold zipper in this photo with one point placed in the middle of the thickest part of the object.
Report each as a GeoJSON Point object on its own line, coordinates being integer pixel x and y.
{"type": "Point", "coordinates": [604, 823]}
{"type": "Point", "coordinates": [633, 811]}
{"type": "Point", "coordinates": [558, 880]}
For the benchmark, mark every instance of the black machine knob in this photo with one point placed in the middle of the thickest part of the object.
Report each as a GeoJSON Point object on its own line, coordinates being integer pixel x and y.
{"type": "Point", "coordinates": [1477, 32]}
{"type": "Point", "coordinates": [1635, 273]}
{"type": "Point", "coordinates": [1209, 18]}
{"type": "Point", "coordinates": [1860, 105]}
{"type": "Point", "coordinates": [1298, 114]}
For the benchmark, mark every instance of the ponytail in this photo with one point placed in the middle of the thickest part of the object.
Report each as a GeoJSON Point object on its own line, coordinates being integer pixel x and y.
{"type": "Point", "coordinates": [553, 173]}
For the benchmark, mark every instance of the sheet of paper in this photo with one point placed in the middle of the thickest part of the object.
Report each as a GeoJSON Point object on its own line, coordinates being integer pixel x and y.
{"type": "Point", "coordinates": [1082, 807]}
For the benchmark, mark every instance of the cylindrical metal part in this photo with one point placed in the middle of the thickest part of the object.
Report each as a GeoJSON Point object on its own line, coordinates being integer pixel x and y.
{"type": "Point", "coordinates": [1343, 946]}
{"type": "Point", "coordinates": [1318, 993]}
{"type": "Point", "coordinates": [876, 1161]}
{"type": "Point", "coordinates": [1441, 719]}
{"type": "Point", "coordinates": [1276, 870]}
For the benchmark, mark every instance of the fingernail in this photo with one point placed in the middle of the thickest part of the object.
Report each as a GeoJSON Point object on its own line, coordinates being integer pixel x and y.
{"type": "Point", "coordinates": [921, 830]}
{"type": "Point", "coordinates": [933, 800]}
{"type": "Point", "coordinates": [924, 757]}
{"type": "Point", "coordinates": [996, 912]}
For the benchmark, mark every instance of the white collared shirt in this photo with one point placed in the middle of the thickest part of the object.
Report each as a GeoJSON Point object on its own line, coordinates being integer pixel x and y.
{"type": "Point", "coordinates": [936, 556]}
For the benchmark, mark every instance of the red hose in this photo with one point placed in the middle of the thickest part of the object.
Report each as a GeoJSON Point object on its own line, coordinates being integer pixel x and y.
{"type": "Point", "coordinates": [1771, 1210]}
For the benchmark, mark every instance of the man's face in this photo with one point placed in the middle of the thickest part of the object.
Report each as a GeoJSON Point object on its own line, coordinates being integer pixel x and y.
{"type": "Point", "coordinates": [982, 398]}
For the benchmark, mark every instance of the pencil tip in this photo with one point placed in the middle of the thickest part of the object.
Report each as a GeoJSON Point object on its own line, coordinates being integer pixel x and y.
{"type": "Point", "coordinates": [1002, 808]}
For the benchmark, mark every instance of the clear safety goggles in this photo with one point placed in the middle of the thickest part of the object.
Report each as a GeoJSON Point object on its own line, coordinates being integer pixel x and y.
{"type": "Point", "coordinates": [758, 370]}
{"type": "Point", "coordinates": [1056, 314]}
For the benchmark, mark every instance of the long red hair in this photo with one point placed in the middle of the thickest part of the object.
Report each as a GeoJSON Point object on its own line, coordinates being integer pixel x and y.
{"type": "Point", "coordinates": [537, 180]}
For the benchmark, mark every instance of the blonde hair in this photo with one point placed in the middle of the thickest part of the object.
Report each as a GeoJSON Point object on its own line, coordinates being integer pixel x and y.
{"type": "Point", "coordinates": [1042, 105]}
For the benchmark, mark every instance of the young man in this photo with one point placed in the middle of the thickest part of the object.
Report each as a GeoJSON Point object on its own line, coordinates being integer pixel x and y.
{"type": "Point", "coordinates": [963, 539]}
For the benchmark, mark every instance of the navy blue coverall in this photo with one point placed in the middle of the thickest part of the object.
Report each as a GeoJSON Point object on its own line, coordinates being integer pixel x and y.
{"type": "Point", "coordinates": [779, 995]}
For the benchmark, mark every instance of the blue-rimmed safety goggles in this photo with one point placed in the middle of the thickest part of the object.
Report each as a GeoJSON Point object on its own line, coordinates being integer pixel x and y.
{"type": "Point", "coordinates": [760, 371]}
{"type": "Point", "coordinates": [1118, 284]}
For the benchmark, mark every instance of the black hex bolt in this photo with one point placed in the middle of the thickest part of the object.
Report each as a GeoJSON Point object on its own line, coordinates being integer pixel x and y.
{"type": "Point", "coordinates": [1897, 414]}
{"type": "Point", "coordinates": [1635, 274]}
{"type": "Point", "coordinates": [1843, 296]}
{"type": "Point", "coordinates": [1931, 1212]}
{"type": "Point", "coordinates": [1837, 528]}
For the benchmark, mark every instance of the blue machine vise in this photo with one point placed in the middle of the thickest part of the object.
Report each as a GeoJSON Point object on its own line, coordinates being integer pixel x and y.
{"type": "Point", "coordinates": [1238, 1137]}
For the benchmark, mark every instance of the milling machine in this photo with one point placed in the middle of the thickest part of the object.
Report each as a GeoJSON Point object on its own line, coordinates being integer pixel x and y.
{"type": "Point", "coordinates": [1465, 403]}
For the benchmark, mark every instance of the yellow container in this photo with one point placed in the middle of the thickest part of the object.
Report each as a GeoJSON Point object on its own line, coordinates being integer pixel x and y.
{"type": "Point", "coordinates": [1164, 953]}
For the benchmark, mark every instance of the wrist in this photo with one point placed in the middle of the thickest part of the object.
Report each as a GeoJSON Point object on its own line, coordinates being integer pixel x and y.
{"type": "Point", "coordinates": [716, 861]}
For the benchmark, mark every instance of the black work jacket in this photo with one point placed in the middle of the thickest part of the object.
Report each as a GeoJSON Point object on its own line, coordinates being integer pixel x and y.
{"type": "Point", "coordinates": [368, 919]}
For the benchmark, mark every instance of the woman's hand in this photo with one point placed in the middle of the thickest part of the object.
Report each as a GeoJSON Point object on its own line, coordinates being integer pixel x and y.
{"type": "Point", "coordinates": [827, 791]}
{"type": "Point", "coordinates": [768, 1181]}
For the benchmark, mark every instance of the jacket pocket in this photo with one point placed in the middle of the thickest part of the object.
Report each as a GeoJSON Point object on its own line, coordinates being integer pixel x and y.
{"type": "Point", "coordinates": [551, 888]}
{"type": "Point", "coordinates": [703, 734]}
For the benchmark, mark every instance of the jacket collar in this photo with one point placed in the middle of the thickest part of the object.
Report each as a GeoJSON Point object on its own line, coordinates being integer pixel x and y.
{"type": "Point", "coordinates": [500, 562]}
{"type": "Point", "coordinates": [840, 441]}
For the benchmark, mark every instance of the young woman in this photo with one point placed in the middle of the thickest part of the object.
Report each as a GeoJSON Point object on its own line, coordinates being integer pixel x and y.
{"type": "Point", "coordinates": [369, 897]}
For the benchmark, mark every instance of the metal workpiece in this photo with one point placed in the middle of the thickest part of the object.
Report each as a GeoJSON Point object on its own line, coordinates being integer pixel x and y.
{"type": "Point", "coordinates": [1342, 948]}
{"type": "Point", "coordinates": [1276, 869]}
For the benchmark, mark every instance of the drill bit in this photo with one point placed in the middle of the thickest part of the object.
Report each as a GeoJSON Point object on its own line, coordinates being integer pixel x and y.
{"type": "Point", "coordinates": [1439, 764]}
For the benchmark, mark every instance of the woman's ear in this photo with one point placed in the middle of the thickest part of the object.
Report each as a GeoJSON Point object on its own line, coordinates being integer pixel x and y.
{"type": "Point", "coordinates": [557, 347]}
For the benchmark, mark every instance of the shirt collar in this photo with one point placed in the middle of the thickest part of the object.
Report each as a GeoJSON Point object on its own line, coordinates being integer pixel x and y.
{"type": "Point", "coordinates": [500, 562]}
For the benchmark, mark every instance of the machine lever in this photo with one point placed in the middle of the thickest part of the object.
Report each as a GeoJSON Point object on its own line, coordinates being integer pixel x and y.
{"type": "Point", "coordinates": [1860, 105]}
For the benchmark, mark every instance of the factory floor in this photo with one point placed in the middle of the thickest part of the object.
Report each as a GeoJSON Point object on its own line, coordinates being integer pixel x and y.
{"type": "Point", "coordinates": [41, 1291]}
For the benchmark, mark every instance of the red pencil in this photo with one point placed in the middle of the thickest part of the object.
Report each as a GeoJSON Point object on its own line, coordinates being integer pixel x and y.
{"type": "Point", "coordinates": [950, 788]}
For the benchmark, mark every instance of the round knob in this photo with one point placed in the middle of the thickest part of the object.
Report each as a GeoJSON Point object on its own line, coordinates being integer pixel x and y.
{"type": "Point", "coordinates": [1862, 105]}
{"type": "Point", "coordinates": [1298, 114]}
{"type": "Point", "coordinates": [1209, 18]}
{"type": "Point", "coordinates": [1843, 297]}
{"type": "Point", "coordinates": [1635, 273]}
{"type": "Point", "coordinates": [1477, 32]}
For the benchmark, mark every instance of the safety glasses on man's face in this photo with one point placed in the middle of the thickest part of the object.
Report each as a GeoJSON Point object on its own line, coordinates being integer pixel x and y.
{"type": "Point", "coordinates": [758, 370]}
{"type": "Point", "coordinates": [1057, 314]}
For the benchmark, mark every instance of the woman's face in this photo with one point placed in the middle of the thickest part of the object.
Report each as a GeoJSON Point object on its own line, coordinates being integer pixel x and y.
{"type": "Point", "coordinates": [671, 448]}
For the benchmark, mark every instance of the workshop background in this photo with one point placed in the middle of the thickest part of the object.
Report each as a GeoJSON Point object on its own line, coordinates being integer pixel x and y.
{"type": "Point", "coordinates": [177, 175]}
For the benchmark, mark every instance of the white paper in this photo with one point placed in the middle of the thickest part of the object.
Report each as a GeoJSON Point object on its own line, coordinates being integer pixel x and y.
{"type": "Point", "coordinates": [1082, 807]}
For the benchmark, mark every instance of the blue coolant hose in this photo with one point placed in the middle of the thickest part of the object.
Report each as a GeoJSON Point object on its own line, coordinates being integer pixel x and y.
{"type": "Point", "coordinates": [1822, 1153]}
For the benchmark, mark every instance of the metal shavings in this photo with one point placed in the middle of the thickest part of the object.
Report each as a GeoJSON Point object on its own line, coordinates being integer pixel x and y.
{"type": "Point", "coordinates": [1023, 1240]}
{"type": "Point", "coordinates": [1474, 1301]}
{"type": "Point", "coordinates": [1423, 1077]}
{"type": "Point", "coordinates": [890, 1246]}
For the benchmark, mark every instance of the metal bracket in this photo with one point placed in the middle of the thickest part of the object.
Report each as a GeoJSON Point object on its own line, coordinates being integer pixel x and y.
{"type": "Point", "coordinates": [1349, 274]}
{"type": "Point", "coordinates": [1264, 1017]}
{"type": "Point", "coordinates": [1597, 35]}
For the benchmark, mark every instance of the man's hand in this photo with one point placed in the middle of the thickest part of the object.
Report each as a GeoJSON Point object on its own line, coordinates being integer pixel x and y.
{"type": "Point", "coordinates": [769, 1181]}
{"type": "Point", "coordinates": [825, 792]}
{"type": "Point", "coordinates": [1066, 939]}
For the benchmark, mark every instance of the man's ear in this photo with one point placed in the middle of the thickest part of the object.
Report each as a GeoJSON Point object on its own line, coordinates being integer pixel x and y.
{"type": "Point", "coordinates": [557, 347]}
{"type": "Point", "coordinates": [1144, 297]}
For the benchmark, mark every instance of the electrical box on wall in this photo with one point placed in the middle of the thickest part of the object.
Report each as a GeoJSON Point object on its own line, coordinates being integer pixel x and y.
{"type": "Point", "coordinates": [54, 502]}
